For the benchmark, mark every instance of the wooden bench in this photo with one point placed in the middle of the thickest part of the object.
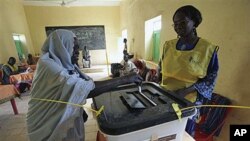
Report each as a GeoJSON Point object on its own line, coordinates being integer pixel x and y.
{"type": "Point", "coordinates": [8, 93]}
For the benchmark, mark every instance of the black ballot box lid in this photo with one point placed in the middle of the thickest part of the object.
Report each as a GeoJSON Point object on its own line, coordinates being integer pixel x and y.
{"type": "Point", "coordinates": [126, 110]}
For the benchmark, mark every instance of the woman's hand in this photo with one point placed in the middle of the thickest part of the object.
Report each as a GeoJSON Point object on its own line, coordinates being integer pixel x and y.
{"type": "Point", "coordinates": [134, 78]}
{"type": "Point", "coordinates": [183, 92]}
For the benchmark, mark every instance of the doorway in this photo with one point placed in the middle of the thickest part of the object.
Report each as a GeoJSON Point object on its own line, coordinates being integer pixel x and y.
{"type": "Point", "coordinates": [20, 48]}
{"type": "Point", "coordinates": [156, 46]}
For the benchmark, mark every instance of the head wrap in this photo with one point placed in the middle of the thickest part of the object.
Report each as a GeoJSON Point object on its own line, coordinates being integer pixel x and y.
{"type": "Point", "coordinates": [59, 45]}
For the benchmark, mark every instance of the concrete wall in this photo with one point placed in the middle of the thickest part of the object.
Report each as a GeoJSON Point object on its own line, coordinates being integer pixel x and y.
{"type": "Point", "coordinates": [39, 17]}
{"type": "Point", "coordinates": [12, 20]}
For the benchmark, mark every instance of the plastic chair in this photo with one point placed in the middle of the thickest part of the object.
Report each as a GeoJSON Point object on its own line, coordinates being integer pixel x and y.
{"type": "Point", "coordinates": [200, 135]}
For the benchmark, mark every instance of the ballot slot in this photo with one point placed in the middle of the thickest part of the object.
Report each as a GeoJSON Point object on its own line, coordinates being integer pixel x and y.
{"type": "Point", "coordinates": [132, 102]}
{"type": "Point", "coordinates": [156, 97]}
{"type": "Point", "coordinates": [152, 96]}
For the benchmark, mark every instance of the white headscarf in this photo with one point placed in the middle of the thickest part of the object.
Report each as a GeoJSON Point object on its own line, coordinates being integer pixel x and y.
{"type": "Point", "coordinates": [55, 121]}
{"type": "Point", "coordinates": [60, 45]}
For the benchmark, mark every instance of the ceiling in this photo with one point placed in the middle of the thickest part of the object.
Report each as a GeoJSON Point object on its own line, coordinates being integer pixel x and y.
{"type": "Point", "coordinates": [69, 3]}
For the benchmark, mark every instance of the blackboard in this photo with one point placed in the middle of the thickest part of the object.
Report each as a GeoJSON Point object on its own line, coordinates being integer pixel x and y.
{"type": "Point", "coordinates": [93, 37]}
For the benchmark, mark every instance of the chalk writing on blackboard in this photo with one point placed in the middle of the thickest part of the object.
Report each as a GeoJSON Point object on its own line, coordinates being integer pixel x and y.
{"type": "Point", "coordinates": [93, 37]}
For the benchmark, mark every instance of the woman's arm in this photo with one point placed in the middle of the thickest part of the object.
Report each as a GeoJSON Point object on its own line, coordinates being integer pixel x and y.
{"type": "Point", "coordinates": [159, 73]}
{"type": "Point", "coordinates": [159, 69]}
{"type": "Point", "coordinates": [107, 85]}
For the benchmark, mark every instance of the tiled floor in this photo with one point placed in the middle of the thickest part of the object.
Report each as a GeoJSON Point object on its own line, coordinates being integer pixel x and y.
{"type": "Point", "coordinates": [13, 127]}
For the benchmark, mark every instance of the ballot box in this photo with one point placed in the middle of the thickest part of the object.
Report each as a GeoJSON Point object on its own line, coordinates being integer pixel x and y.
{"type": "Point", "coordinates": [131, 114]}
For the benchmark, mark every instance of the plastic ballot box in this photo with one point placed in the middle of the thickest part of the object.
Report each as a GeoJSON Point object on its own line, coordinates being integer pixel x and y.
{"type": "Point", "coordinates": [140, 114]}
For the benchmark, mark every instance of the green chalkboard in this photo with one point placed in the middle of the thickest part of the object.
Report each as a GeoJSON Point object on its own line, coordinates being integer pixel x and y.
{"type": "Point", "coordinates": [93, 37]}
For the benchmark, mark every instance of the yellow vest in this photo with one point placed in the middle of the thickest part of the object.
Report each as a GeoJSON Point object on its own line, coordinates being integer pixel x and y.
{"type": "Point", "coordinates": [13, 68]}
{"type": "Point", "coordinates": [181, 69]}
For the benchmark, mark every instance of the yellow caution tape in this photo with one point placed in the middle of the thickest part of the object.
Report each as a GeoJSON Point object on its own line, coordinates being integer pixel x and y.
{"type": "Point", "coordinates": [77, 105]}
{"type": "Point", "coordinates": [177, 110]}
{"type": "Point", "coordinates": [175, 106]}
{"type": "Point", "coordinates": [218, 106]}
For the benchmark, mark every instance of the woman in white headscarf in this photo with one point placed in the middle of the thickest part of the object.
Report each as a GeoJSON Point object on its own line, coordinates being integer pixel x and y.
{"type": "Point", "coordinates": [56, 78]}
